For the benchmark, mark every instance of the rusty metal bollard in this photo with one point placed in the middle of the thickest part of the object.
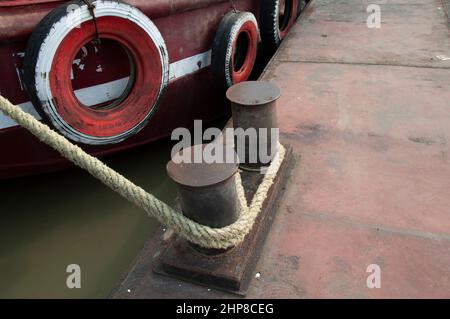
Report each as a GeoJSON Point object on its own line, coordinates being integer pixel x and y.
{"type": "Point", "coordinates": [207, 191]}
{"type": "Point", "coordinates": [208, 195]}
{"type": "Point", "coordinates": [253, 105]}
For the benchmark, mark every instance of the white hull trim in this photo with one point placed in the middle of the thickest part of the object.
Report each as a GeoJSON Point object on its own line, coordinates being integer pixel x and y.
{"type": "Point", "coordinates": [102, 93]}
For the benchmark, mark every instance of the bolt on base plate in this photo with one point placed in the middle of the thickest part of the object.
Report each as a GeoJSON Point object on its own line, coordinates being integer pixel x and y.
{"type": "Point", "coordinates": [233, 269]}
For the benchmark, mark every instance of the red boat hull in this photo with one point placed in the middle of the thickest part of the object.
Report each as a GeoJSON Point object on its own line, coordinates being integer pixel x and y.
{"type": "Point", "coordinates": [188, 29]}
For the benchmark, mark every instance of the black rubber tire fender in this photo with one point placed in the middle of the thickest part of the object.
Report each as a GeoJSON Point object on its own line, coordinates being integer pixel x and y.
{"type": "Point", "coordinates": [271, 34]}
{"type": "Point", "coordinates": [222, 49]}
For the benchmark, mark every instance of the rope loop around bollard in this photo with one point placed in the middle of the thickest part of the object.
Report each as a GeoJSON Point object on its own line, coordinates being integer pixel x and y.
{"type": "Point", "coordinates": [204, 236]}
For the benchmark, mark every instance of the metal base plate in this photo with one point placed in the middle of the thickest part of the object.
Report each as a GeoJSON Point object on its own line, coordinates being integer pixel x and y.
{"type": "Point", "coordinates": [232, 270]}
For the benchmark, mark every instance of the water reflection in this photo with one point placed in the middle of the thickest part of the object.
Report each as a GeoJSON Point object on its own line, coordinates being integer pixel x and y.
{"type": "Point", "coordinates": [49, 222]}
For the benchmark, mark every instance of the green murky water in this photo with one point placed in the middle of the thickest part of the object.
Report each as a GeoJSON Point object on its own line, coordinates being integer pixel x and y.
{"type": "Point", "coordinates": [52, 221]}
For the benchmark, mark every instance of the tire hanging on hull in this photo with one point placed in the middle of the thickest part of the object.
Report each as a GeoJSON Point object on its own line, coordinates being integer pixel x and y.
{"type": "Point", "coordinates": [52, 48]}
{"type": "Point", "coordinates": [235, 48]}
{"type": "Point", "coordinates": [276, 19]}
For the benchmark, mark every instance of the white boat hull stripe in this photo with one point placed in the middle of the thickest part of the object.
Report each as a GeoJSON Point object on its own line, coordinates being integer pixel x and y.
{"type": "Point", "coordinates": [102, 93]}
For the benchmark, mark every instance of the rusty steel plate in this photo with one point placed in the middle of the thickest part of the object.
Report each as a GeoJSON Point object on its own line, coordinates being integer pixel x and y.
{"type": "Point", "coordinates": [230, 271]}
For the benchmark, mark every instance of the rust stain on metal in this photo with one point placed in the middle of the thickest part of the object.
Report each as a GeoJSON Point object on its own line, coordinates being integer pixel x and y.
{"type": "Point", "coordinates": [253, 106]}
{"type": "Point", "coordinates": [207, 191]}
{"type": "Point", "coordinates": [231, 270]}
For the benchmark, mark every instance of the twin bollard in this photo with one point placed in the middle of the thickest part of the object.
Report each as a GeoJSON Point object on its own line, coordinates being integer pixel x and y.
{"type": "Point", "coordinates": [208, 192]}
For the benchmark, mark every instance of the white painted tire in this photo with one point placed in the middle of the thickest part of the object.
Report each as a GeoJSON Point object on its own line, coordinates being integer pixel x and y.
{"type": "Point", "coordinates": [45, 46]}
{"type": "Point", "coordinates": [274, 26]}
{"type": "Point", "coordinates": [235, 48]}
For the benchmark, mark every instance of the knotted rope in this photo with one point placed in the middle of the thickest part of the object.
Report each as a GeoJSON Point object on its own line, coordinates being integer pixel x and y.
{"type": "Point", "coordinates": [218, 238]}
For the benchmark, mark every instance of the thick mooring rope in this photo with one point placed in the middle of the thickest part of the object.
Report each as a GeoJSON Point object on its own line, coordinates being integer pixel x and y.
{"type": "Point", "coordinates": [218, 238]}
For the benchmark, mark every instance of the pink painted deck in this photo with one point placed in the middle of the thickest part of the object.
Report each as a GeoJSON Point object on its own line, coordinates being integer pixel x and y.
{"type": "Point", "coordinates": [367, 112]}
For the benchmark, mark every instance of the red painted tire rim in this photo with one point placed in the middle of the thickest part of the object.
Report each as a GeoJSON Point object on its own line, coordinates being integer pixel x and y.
{"type": "Point", "coordinates": [142, 97]}
{"type": "Point", "coordinates": [244, 52]}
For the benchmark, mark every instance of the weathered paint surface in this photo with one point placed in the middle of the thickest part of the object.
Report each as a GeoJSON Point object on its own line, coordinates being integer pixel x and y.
{"type": "Point", "coordinates": [367, 113]}
{"type": "Point", "coordinates": [186, 42]}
